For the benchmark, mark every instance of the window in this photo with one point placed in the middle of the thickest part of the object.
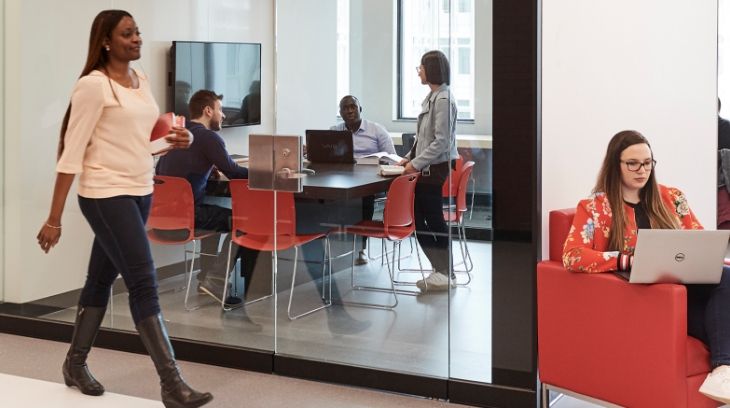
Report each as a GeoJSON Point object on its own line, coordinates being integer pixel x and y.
{"type": "Point", "coordinates": [464, 60]}
{"type": "Point", "coordinates": [464, 6]}
{"type": "Point", "coordinates": [426, 25]}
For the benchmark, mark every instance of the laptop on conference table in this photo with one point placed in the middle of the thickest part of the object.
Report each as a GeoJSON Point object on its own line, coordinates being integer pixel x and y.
{"type": "Point", "coordinates": [329, 146]}
{"type": "Point", "coordinates": [678, 256]}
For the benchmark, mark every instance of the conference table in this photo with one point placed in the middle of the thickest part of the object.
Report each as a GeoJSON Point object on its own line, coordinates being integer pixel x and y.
{"type": "Point", "coordinates": [331, 198]}
{"type": "Point", "coordinates": [329, 182]}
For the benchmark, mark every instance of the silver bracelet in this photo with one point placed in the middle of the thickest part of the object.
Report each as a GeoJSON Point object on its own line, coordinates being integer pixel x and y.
{"type": "Point", "coordinates": [53, 226]}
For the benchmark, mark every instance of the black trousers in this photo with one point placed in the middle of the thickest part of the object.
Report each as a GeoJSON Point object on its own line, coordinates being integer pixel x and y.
{"type": "Point", "coordinates": [432, 230]}
{"type": "Point", "coordinates": [368, 210]}
{"type": "Point", "coordinates": [218, 219]}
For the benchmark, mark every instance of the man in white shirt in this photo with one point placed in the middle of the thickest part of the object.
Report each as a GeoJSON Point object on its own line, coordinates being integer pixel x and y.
{"type": "Point", "coordinates": [367, 138]}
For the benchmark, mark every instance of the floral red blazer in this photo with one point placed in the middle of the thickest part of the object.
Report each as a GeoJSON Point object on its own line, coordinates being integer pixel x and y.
{"type": "Point", "coordinates": [585, 249]}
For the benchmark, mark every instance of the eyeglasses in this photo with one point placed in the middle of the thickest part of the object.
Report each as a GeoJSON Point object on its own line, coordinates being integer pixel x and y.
{"type": "Point", "coordinates": [634, 165]}
{"type": "Point", "coordinates": [418, 69]}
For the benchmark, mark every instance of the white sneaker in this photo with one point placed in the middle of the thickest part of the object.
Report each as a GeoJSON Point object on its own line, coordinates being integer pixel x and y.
{"type": "Point", "coordinates": [433, 282]}
{"type": "Point", "coordinates": [717, 384]}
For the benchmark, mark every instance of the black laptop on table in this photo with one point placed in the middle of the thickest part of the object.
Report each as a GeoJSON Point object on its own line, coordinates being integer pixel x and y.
{"type": "Point", "coordinates": [329, 146]}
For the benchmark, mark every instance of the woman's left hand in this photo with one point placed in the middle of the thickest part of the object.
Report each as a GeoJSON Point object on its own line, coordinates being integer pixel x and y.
{"type": "Point", "coordinates": [180, 138]}
{"type": "Point", "coordinates": [409, 169]}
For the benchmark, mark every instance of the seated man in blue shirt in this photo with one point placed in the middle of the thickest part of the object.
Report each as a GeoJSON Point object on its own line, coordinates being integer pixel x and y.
{"type": "Point", "coordinates": [196, 164]}
{"type": "Point", "coordinates": [367, 138]}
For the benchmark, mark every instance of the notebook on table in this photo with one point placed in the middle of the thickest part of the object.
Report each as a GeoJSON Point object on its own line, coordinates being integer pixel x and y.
{"type": "Point", "coordinates": [329, 146]}
{"type": "Point", "coordinates": [678, 256]}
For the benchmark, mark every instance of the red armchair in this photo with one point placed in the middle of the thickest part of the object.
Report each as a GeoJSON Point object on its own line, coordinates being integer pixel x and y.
{"type": "Point", "coordinates": [601, 337]}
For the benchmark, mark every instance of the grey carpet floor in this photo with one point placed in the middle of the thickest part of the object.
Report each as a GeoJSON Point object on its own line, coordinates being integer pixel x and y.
{"type": "Point", "coordinates": [133, 375]}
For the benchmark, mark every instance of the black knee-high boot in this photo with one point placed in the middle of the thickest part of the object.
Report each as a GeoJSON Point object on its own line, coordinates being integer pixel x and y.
{"type": "Point", "coordinates": [175, 392]}
{"type": "Point", "coordinates": [75, 371]}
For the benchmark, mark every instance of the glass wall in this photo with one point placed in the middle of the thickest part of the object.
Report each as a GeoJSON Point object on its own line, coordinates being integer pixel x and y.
{"type": "Point", "coordinates": [441, 335]}
{"type": "Point", "coordinates": [48, 285]}
{"type": "Point", "coordinates": [313, 54]}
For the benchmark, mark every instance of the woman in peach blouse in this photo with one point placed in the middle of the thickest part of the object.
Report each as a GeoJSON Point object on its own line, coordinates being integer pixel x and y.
{"type": "Point", "coordinates": [105, 139]}
{"type": "Point", "coordinates": [603, 237]}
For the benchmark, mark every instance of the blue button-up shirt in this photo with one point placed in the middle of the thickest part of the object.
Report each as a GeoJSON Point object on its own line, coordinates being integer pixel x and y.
{"type": "Point", "coordinates": [195, 163]}
{"type": "Point", "coordinates": [370, 138]}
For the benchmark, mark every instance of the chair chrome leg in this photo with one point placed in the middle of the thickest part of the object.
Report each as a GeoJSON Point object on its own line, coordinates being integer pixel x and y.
{"type": "Point", "coordinates": [190, 278]}
{"type": "Point", "coordinates": [225, 281]}
{"type": "Point", "coordinates": [353, 286]}
{"type": "Point", "coordinates": [473, 192]}
{"type": "Point", "coordinates": [326, 250]}
{"type": "Point", "coordinates": [465, 255]}
{"type": "Point", "coordinates": [412, 270]}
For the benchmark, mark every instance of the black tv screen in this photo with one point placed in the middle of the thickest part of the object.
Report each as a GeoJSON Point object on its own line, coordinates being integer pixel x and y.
{"type": "Point", "coordinates": [231, 69]}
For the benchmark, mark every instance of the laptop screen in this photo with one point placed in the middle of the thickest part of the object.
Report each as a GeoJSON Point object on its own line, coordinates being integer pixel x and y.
{"type": "Point", "coordinates": [329, 146]}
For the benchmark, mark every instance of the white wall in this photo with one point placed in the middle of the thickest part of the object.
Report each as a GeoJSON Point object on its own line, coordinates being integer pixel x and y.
{"type": "Point", "coordinates": [306, 65]}
{"type": "Point", "coordinates": [45, 54]}
{"type": "Point", "coordinates": [646, 65]}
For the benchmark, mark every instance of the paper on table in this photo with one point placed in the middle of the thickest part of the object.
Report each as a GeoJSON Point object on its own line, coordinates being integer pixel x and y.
{"type": "Point", "coordinates": [394, 158]}
{"type": "Point", "coordinates": [390, 170]}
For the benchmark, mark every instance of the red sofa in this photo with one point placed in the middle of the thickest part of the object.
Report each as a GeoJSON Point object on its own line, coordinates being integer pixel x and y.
{"type": "Point", "coordinates": [602, 337]}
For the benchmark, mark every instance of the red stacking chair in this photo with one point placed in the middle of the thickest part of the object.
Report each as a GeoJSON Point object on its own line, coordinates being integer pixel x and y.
{"type": "Point", "coordinates": [455, 216]}
{"type": "Point", "coordinates": [173, 209]}
{"type": "Point", "coordinates": [451, 185]}
{"type": "Point", "coordinates": [253, 227]}
{"type": "Point", "coordinates": [398, 224]}
{"type": "Point", "coordinates": [602, 337]}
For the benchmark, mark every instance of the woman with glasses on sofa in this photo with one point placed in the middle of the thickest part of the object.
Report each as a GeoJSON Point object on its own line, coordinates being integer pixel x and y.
{"type": "Point", "coordinates": [603, 237]}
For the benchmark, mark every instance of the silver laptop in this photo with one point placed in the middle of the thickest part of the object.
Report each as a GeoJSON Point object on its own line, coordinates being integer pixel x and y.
{"type": "Point", "coordinates": [679, 256]}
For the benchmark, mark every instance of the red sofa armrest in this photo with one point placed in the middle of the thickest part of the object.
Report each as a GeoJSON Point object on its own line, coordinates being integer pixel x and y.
{"type": "Point", "coordinates": [598, 335]}
{"type": "Point", "coordinates": [560, 223]}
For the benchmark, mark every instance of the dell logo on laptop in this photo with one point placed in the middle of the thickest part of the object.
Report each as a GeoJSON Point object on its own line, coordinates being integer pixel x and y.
{"type": "Point", "coordinates": [679, 257]}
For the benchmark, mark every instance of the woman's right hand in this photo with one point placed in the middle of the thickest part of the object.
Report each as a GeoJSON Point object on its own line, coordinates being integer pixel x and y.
{"type": "Point", "coordinates": [48, 236]}
{"type": "Point", "coordinates": [180, 138]}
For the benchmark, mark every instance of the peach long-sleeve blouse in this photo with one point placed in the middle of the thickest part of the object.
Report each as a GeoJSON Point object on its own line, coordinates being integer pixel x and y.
{"type": "Point", "coordinates": [108, 136]}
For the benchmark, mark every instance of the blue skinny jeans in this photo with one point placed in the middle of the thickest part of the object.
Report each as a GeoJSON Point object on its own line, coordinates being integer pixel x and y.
{"type": "Point", "coordinates": [120, 247]}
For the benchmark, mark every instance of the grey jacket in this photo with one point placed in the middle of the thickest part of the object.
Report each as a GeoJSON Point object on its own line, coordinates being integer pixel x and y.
{"type": "Point", "coordinates": [436, 131]}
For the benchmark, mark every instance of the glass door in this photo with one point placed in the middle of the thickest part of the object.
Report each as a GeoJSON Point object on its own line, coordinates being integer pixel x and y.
{"type": "Point", "coordinates": [344, 74]}
{"type": "Point", "coordinates": [471, 301]}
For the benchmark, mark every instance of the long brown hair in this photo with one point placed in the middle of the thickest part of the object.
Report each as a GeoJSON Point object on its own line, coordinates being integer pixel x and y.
{"type": "Point", "coordinates": [609, 182]}
{"type": "Point", "coordinates": [97, 57]}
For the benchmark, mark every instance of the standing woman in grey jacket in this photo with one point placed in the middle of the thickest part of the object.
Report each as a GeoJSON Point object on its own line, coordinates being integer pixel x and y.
{"type": "Point", "coordinates": [433, 155]}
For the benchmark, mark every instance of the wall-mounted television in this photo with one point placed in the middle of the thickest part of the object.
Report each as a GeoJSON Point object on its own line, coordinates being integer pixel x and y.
{"type": "Point", "coordinates": [231, 69]}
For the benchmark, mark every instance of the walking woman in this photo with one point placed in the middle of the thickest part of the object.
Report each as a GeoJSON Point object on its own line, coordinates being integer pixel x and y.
{"type": "Point", "coordinates": [433, 154]}
{"type": "Point", "coordinates": [603, 237]}
{"type": "Point", "coordinates": [104, 138]}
